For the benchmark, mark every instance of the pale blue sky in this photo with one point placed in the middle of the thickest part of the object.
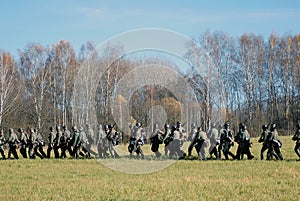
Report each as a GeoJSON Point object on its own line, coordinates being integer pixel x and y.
{"type": "Point", "coordinates": [77, 21]}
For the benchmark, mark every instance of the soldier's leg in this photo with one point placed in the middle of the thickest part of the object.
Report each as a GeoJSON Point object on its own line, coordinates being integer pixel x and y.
{"type": "Point", "coordinates": [278, 153]}
{"type": "Point", "coordinates": [86, 151]}
{"type": "Point", "coordinates": [31, 152]}
{"type": "Point", "coordinates": [14, 152]}
{"type": "Point", "coordinates": [56, 153]}
{"type": "Point", "coordinates": [2, 153]}
{"type": "Point", "coordinates": [41, 150]}
{"type": "Point", "coordinates": [63, 151]}
{"type": "Point", "coordinates": [297, 149]}
{"type": "Point", "coordinates": [21, 151]}
{"type": "Point", "coordinates": [263, 149]}
{"type": "Point", "coordinates": [220, 151]}
{"type": "Point", "coordinates": [238, 152]}
{"type": "Point", "coordinates": [37, 153]}
{"type": "Point", "coordinates": [49, 149]}
{"type": "Point", "coordinates": [190, 148]}
{"type": "Point", "coordinates": [69, 148]}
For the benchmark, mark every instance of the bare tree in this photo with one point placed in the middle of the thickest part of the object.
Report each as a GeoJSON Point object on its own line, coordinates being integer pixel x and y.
{"type": "Point", "coordinates": [35, 72]}
{"type": "Point", "coordinates": [10, 86]}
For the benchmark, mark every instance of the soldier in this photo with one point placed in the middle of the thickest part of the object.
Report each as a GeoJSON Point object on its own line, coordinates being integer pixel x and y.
{"type": "Point", "coordinates": [41, 143]}
{"type": "Point", "coordinates": [13, 144]}
{"type": "Point", "coordinates": [75, 142]}
{"type": "Point", "coordinates": [90, 136]}
{"type": "Point", "coordinates": [193, 138]}
{"type": "Point", "coordinates": [23, 141]}
{"type": "Point", "coordinates": [33, 147]}
{"type": "Point", "coordinates": [274, 144]}
{"type": "Point", "coordinates": [102, 145]}
{"type": "Point", "coordinates": [57, 142]}
{"type": "Point", "coordinates": [140, 133]}
{"type": "Point", "coordinates": [214, 138]}
{"type": "Point", "coordinates": [136, 140]}
{"type": "Point", "coordinates": [66, 145]}
{"type": "Point", "coordinates": [2, 142]}
{"type": "Point", "coordinates": [84, 142]}
{"type": "Point", "coordinates": [167, 138]}
{"type": "Point", "coordinates": [155, 140]}
{"type": "Point", "coordinates": [201, 143]}
{"type": "Point", "coordinates": [226, 141]}
{"type": "Point", "coordinates": [176, 143]}
{"type": "Point", "coordinates": [296, 138]}
{"type": "Point", "coordinates": [263, 140]}
{"type": "Point", "coordinates": [182, 132]}
{"type": "Point", "coordinates": [243, 139]}
{"type": "Point", "coordinates": [192, 133]}
{"type": "Point", "coordinates": [51, 138]}
{"type": "Point", "coordinates": [110, 136]}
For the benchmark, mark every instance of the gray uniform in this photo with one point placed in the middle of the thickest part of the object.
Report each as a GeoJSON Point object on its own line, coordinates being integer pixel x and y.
{"type": "Point", "coordinates": [2, 142]}
{"type": "Point", "coordinates": [24, 143]}
{"type": "Point", "coordinates": [13, 144]}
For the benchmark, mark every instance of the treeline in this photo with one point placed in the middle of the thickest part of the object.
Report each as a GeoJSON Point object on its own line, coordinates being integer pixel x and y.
{"type": "Point", "coordinates": [247, 79]}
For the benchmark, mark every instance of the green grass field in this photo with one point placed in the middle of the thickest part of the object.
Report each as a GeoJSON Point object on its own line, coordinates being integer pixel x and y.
{"type": "Point", "coordinates": [70, 179]}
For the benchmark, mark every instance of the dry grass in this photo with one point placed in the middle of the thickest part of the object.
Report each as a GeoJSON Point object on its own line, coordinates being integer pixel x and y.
{"type": "Point", "coordinates": [183, 180]}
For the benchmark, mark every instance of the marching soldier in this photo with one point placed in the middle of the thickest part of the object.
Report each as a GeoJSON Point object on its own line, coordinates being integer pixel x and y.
{"type": "Point", "coordinates": [274, 144]}
{"type": "Point", "coordinates": [226, 141]}
{"type": "Point", "coordinates": [244, 144]}
{"type": "Point", "coordinates": [296, 138]}
{"type": "Point", "coordinates": [24, 142]}
{"type": "Point", "coordinates": [84, 142]}
{"type": "Point", "coordinates": [167, 138]}
{"type": "Point", "coordinates": [2, 142]}
{"type": "Point", "coordinates": [136, 140]}
{"type": "Point", "coordinates": [66, 145]}
{"type": "Point", "coordinates": [13, 144]}
{"type": "Point", "coordinates": [90, 136]}
{"type": "Point", "coordinates": [51, 139]}
{"type": "Point", "coordinates": [75, 142]}
{"type": "Point", "coordinates": [57, 142]}
{"type": "Point", "coordinates": [111, 134]}
{"type": "Point", "coordinates": [192, 133]}
{"type": "Point", "coordinates": [263, 140]}
{"type": "Point", "coordinates": [33, 147]}
{"type": "Point", "coordinates": [176, 143]}
{"type": "Point", "coordinates": [213, 136]}
{"type": "Point", "coordinates": [155, 140]}
{"type": "Point", "coordinates": [201, 143]}
{"type": "Point", "coordinates": [41, 143]}
{"type": "Point", "coordinates": [102, 145]}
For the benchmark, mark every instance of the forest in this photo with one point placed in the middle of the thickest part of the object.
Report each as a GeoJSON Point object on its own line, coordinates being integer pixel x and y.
{"type": "Point", "coordinates": [250, 79]}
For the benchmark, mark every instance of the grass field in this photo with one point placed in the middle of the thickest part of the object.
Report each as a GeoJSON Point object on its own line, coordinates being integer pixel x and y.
{"type": "Point", "coordinates": [71, 179]}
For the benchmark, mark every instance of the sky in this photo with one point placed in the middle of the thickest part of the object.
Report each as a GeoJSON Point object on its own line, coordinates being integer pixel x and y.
{"type": "Point", "coordinates": [48, 22]}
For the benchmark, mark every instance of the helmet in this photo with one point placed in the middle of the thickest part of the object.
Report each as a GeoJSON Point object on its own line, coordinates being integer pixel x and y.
{"type": "Point", "coordinates": [241, 125]}
{"type": "Point", "coordinates": [226, 125]}
{"type": "Point", "coordinates": [298, 125]}
{"type": "Point", "coordinates": [138, 124]}
{"type": "Point", "coordinates": [51, 128]}
{"type": "Point", "coordinates": [273, 126]}
{"type": "Point", "coordinates": [167, 126]}
{"type": "Point", "coordinates": [20, 130]}
{"type": "Point", "coordinates": [74, 128]}
{"type": "Point", "coordinates": [193, 125]}
{"type": "Point", "coordinates": [264, 126]}
{"type": "Point", "coordinates": [173, 128]}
